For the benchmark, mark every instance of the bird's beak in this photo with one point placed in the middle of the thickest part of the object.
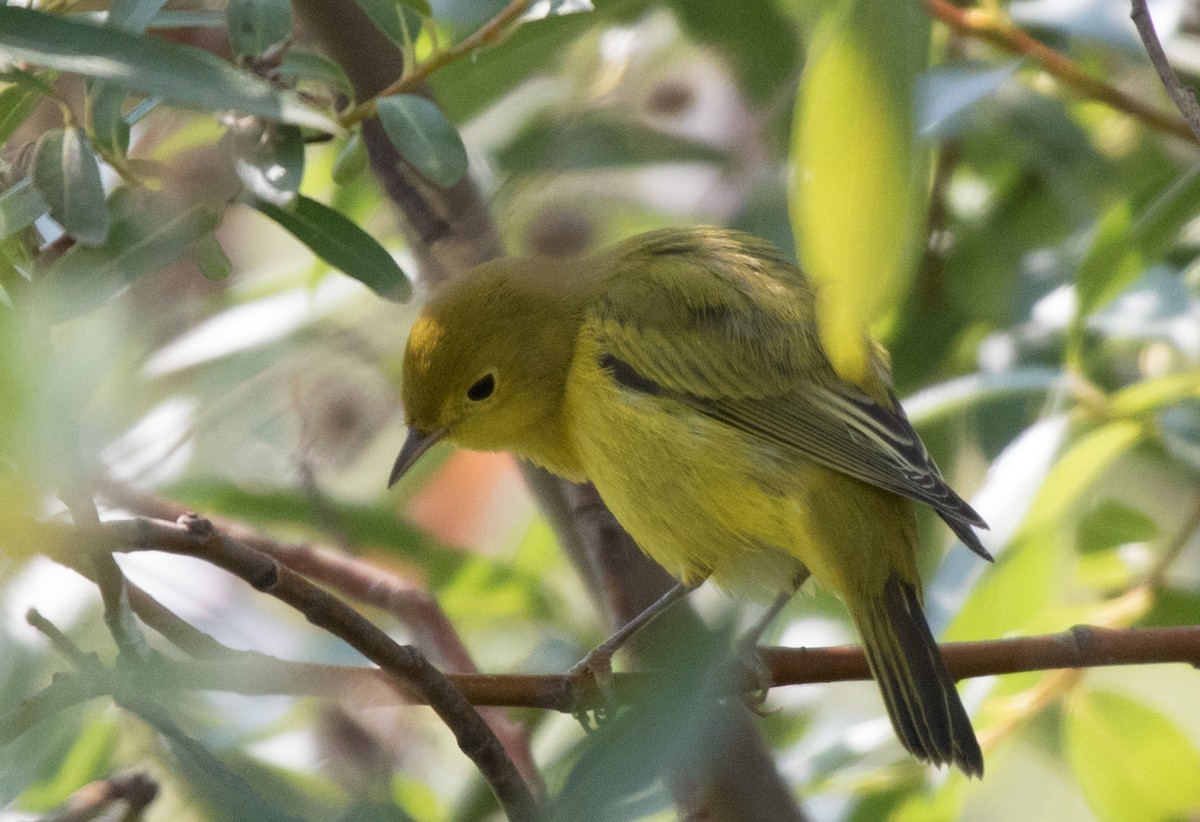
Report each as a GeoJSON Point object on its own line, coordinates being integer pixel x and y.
{"type": "Point", "coordinates": [415, 444]}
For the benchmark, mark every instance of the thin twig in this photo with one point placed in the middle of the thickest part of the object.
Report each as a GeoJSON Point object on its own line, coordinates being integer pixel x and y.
{"type": "Point", "coordinates": [487, 34]}
{"type": "Point", "coordinates": [1184, 100]}
{"type": "Point", "coordinates": [132, 793]}
{"type": "Point", "coordinates": [196, 537]}
{"type": "Point", "coordinates": [991, 27]}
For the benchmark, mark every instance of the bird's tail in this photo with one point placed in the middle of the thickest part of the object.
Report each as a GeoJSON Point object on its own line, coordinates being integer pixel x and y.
{"type": "Point", "coordinates": [921, 699]}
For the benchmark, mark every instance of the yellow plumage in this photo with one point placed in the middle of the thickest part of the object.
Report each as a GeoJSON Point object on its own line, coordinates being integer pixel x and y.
{"type": "Point", "coordinates": [681, 373]}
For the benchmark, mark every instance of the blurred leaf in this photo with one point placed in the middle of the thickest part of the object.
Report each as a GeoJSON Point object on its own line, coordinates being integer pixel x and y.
{"type": "Point", "coordinates": [16, 103]}
{"type": "Point", "coordinates": [1152, 394]}
{"type": "Point", "coordinates": [1021, 586]}
{"type": "Point", "coordinates": [66, 173]}
{"type": "Point", "coordinates": [858, 177]}
{"type": "Point", "coordinates": [88, 760]}
{"type": "Point", "coordinates": [133, 15]}
{"type": "Point", "coordinates": [19, 207]}
{"type": "Point", "coordinates": [149, 231]}
{"type": "Point", "coordinates": [342, 244]}
{"type": "Point", "coordinates": [106, 122]}
{"type": "Point", "coordinates": [1179, 427]}
{"type": "Point", "coordinates": [464, 88]}
{"type": "Point", "coordinates": [256, 25]}
{"type": "Point", "coordinates": [351, 159]}
{"type": "Point", "coordinates": [181, 74]}
{"type": "Point", "coordinates": [314, 66]}
{"type": "Point", "coordinates": [755, 35]}
{"type": "Point", "coordinates": [212, 260]}
{"type": "Point", "coordinates": [365, 525]}
{"type": "Point", "coordinates": [424, 137]}
{"type": "Point", "coordinates": [1132, 763]}
{"type": "Point", "coordinates": [1079, 468]}
{"type": "Point", "coordinates": [273, 167]}
{"type": "Point", "coordinates": [955, 396]}
{"type": "Point", "coordinates": [393, 19]}
{"type": "Point", "coordinates": [1113, 523]}
{"type": "Point", "coordinates": [945, 92]}
{"type": "Point", "coordinates": [598, 141]}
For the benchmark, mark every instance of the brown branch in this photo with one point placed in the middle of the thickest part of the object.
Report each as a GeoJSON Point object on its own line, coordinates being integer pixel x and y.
{"type": "Point", "coordinates": [990, 27]}
{"type": "Point", "coordinates": [197, 538]}
{"type": "Point", "coordinates": [413, 607]}
{"type": "Point", "coordinates": [1184, 100]}
{"type": "Point", "coordinates": [132, 792]}
{"type": "Point", "coordinates": [491, 32]}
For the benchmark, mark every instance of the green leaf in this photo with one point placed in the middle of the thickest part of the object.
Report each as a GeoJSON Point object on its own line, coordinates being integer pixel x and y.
{"type": "Point", "coordinates": [1111, 262]}
{"type": "Point", "coordinates": [149, 231]}
{"type": "Point", "coordinates": [181, 74]}
{"type": "Point", "coordinates": [424, 137]}
{"type": "Point", "coordinates": [1076, 470]}
{"type": "Point", "coordinates": [351, 159]}
{"type": "Point", "coordinates": [758, 39]}
{"type": "Point", "coordinates": [310, 65]}
{"type": "Point", "coordinates": [19, 207]}
{"type": "Point", "coordinates": [1113, 523]}
{"type": "Point", "coordinates": [133, 15]}
{"type": "Point", "coordinates": [212, 260]}
{"type": "Point", "coordinates": [342, 244]}
{"type": "Point", "coordinates": [1131, 762]}
{"type": "Point", "coordinates": [106, 123]}
{"type": "Point", "coordinates": [65, 171]}
{"type": "Point", "coordinates": [598, 141]}
{"type": "Point", "coordinates": [16, 103]}
{"type": "Point", "coordinates": [272, 168]}
{"type": "Point", "coordinates": [256, 25]}
{"type": "Point", "coordinates": [859, 177]}
{"type": "Point", "coordinates": [391, 18]}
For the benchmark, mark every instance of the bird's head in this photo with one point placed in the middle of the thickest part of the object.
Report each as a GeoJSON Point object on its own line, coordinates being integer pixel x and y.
{"type": "Point", "coordinates": [487, 362]}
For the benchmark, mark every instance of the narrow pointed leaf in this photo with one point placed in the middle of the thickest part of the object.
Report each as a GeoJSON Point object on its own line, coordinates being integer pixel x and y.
{"type": "Point", "coordinates": [65, 171]}
{"type": "Point", "coordinates": [256, 25]}
{"type": "Point", "coordinates": [424, 137]}
{"type": "Point", "coordinates": [19, 207]}
{"type": "Point", "coordinates": [342, 244]}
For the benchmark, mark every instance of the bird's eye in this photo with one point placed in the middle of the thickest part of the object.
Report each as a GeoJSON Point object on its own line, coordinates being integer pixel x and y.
{"type": "Point", "coordinates": [482, 388]}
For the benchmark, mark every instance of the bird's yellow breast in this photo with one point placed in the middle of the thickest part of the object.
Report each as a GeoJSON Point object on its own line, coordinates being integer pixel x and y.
{"type": "Point", "coordinates": [708, 501]}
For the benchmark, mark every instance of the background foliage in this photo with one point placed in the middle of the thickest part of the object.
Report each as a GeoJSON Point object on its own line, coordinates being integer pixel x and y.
{"type": "Point", "coordinates": [204, 300]}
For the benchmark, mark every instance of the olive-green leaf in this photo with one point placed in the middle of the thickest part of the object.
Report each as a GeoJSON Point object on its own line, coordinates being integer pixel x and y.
{"type": "Point", "coordinates": [16, 103]}
{"type": "Point", "coordinates": [20, 205]}
{"type": "Point", "coordinates": [67, 174]}
{"type": "Point", "coordinates": [1131, 762]}
{"type": "Point", "coordinates": [424, 137]}
{"type": "Point", "coordinates": [133, 15]}
{"type": "Point", "coordinates": [859, 177]}
{"type": "Point", "coordinates": [106, 121]}
{"type": "Point", "coordinates": [342, 244]}
{"type": "Point", "coordinates": [256, 25]}
{"type": "Point", "coordinates": [212, 260]}
{"type": "Point", "coordinates": [183, 75]}
{"type": "Point", "coordinates": [351, 159]}
{"type": "Point", "coordinates": [393, 20]}
{"type": "Point", "coordinates": [1114, 523]}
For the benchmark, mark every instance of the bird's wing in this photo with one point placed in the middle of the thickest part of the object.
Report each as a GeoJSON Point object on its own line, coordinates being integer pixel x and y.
{"type": "Point", "coordinates": [727, 329]}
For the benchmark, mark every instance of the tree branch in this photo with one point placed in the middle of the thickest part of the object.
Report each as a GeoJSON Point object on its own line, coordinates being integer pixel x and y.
{"type": "Point", "coordinates": [197, 538]}
{"type": "Point", "coordinates": [1184, 100]}
{"type": "Point", "coordinates": [991, 27]}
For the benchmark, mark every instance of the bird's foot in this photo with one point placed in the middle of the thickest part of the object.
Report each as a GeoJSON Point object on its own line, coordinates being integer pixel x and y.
{"type": "Point", "coordinates": [596, 666]}
{"type": "Point", "coordinates": [755, 674]}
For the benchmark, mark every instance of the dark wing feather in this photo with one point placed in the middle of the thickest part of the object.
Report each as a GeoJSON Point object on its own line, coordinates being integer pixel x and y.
{"type": "Point", "coordinates": [721, 322]}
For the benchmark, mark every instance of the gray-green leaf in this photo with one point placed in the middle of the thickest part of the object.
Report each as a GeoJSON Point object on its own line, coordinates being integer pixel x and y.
{"type": "Point", "coordinates": [424, 137]}
{"type": "Point", "coordinates": [342, 244]}
{"type": "Point", "coordinates": [19, 207]}
{"type": "Point", "coordinates": [391, 19]}
{"type": "Point", "coordinates": [184, 75]}
{"type": "Point", "coordinates": [256, 25]}
{"type": "Point", "coordinates": [65, 171]}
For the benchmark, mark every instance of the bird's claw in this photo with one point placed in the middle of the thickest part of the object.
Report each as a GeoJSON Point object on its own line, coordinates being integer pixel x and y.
{"type": "Point", "coordinates": [755, 673]}
{"type": "Point", "coordinates": [596, 666]}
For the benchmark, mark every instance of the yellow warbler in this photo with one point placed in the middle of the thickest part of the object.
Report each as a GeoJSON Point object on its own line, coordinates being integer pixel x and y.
{"type": "Point", "coordinates": [681, 372]}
